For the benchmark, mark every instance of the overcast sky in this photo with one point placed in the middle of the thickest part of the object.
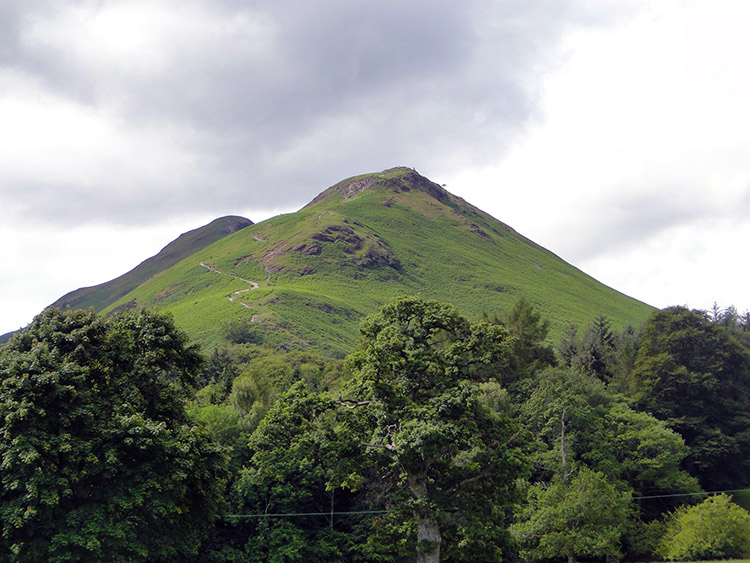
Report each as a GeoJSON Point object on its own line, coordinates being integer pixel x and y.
{"type": "Point", "coordinates": [616, 134]}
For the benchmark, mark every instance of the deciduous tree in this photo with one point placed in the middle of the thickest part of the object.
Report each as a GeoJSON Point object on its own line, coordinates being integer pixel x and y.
{"type": "Point", "coordinates": [416, 402]}
{"type": "Point", "coordinates": [585, 517]}
{"type": "Point", "coordinates": [99, 458]}
{"type": "Point", "coordinates": [714, 529]}
{"type": "Point", "coordinates": [693, 375]}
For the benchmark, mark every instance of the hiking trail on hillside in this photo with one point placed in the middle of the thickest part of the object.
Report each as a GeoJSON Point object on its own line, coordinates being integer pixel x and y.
{"type": "Point", "coordinates": [253, 285]}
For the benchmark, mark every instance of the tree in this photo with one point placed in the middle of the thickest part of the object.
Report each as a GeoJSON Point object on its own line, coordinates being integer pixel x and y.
{"type": "Point", "coordinates": [529, 350]}
{"type": "Point", "coordinates": [301, 464]}
{"type": "Point", "coordinates": [714, 529]}
{"type": "Point", "coordinates": [585, 517]}
{"type": "Point", "coordinates": [693, 375]}
{"type": "Point", "coordinates": [100, 460]}
{"type": "Point", "coordinates": [415, 401]}
{"type": "Point", "coordinates": [567, 347]}
{"type": "Point", "coordinates": [595, 353]}
{"type": "Point", "coordinates": [581, 425]}
{"type": "Point", "coordinates": [640, 450]}
{"type": "Point", "coordinates": [219, 369]}
{"type": "Point", "coordinates": [626, 351]}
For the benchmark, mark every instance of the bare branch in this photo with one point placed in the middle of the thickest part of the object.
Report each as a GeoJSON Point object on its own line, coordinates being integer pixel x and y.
{"type": "Point", "coordinates": [352, 403]}
{"type": "Point", "coordinates": [510, 440]}
{"type": "Point", "coordinates": [386, 442]}
{"type": "Point", "coordinates": [486, 472]}
{"type": "Point", "coordinates": [389, 447]}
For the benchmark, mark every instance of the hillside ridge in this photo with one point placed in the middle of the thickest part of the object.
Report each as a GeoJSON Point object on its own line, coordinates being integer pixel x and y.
{"type": "Point", "coordinates": [102, 295]}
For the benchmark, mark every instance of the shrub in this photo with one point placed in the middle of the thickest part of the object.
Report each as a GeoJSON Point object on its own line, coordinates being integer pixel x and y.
{"type": "Point", "coordinates": [242, 331]}
{"type": "Point", "coordinates": [715, 529]}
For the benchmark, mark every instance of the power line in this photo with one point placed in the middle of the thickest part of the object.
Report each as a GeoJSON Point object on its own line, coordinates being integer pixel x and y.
{"type": "Point", "coordinates": [353, 512]}
{"type": "Point", "coordinates": [692, 494]}
{"type": "Point", "coordinates": [282, 514]}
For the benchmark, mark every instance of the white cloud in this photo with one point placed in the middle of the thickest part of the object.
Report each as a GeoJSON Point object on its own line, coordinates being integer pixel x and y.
{"type": "Point", "coordinates": [622, 148]}
{"type": "Point", "coordinates": [638, 172]}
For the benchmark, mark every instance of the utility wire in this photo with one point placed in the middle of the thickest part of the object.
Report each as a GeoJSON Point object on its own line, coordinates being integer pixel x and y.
{"type": "Point", "coordinates": [336, 513]}
{"type": "Point", "coordinates": [692, 494]}
{"type": "Point", "coordinates": [280, 514]}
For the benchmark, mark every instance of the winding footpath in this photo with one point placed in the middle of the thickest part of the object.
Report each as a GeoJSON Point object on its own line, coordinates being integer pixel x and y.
{"type": "Point", "coordinates": [253, 285]}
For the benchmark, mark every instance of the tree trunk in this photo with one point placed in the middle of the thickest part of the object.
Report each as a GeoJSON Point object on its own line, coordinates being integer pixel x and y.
{"type": "Point", "coordinates": [571, 556]}
{"type": "Point", "coordinates": [428, 539]}
{"type": "Point", "coordinates": [564, 455]}
{"type": "Point", "coordinates": [428, 529]}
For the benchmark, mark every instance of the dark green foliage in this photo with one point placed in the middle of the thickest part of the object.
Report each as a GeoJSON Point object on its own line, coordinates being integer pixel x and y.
{"type": "Point", "coordinates": [595, 353]}
{"type": "Point", "coordinates": [417, 404]}
{"type": "Point", "coordinates": [580, 424]}
{"type": "Point", "coordinates": [530, 351]}
{"type": "Point", "coordinates": [695, 376]}
{"type": "Point", "coordinates": [601, 431]}
{"type": "Point", "coordinates": [269, 373]}
{"type": "Point", "coordinates": [597, 350]}
{"type": "Point", "coordinates": [565, 403]}
{"type": "Point", "coordinates": [714, 529]}
{"type": "Point", "coordinates": [301, 463]}
{"type": "Point", "coordinates": [643, 452]}
{"type": "Point", "coordinates": [219, 369]}
{"type": "Point", "coordinates": [100, 460]}
{"type": "Point", "coordinates": [626, 352]}
{"type": "Point", "coordinates": [242, 331]}
{"type": "Point", "coordinates": [242, 382]}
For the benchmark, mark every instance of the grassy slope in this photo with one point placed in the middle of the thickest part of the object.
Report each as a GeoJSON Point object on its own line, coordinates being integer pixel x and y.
{"type": "Point", "coordinates": [402, 234]}
{"type": "Point", "coordinates": [102, 295]}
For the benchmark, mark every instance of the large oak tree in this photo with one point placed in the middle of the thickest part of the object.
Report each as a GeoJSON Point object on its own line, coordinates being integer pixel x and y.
{"type": "Point", "coordinates": [416, 399]}
{"type": "Point", "coordinates": [99, 458]}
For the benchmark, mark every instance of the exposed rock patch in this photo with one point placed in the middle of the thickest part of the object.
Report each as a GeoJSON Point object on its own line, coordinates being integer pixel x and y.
{"type": "Point", "coordinates": [395, 179]}
{"type": "Point", "coordinates": [476, 229]}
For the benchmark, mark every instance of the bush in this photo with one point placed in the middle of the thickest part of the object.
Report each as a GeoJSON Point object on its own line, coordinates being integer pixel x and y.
{"type": "Point", "coordinates": [715, 529]}
{"type": "Point", "coordinates": [242, 331]}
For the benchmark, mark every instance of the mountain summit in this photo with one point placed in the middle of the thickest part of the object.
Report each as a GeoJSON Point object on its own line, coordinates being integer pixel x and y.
{"type": "Point", "coordinates": [306, 279]}
{"type": "Point", "coordinates": [397, 180]}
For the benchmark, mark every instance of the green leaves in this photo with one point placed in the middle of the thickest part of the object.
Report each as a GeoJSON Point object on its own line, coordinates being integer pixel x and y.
{"type": "Point", "coordinates": [693, 375]}
{"type": "Point", "coordinates": [585, 518]}
{"type": "Point", "coordinates": [303, 463]}
{"type": "Point", "coordinates": [99, 460]}
{"type": "Point", "coordinates": [714, 529]}
{"type": "Point", "coordinates": [418, 403]}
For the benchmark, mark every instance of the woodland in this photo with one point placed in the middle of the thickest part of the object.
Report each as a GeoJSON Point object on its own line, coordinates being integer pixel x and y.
{"type": "Point", "coordinates": [438, 438]}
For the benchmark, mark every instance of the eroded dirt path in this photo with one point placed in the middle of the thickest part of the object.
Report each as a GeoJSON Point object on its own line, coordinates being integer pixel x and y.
{"type": "Point", "coordinates": [253, 285]}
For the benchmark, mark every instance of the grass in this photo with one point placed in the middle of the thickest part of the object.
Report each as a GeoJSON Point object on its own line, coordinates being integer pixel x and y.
{"type": "Point", "coordinates": [102, 295]}
{"type": "Point", "coordinates": [402, 235]}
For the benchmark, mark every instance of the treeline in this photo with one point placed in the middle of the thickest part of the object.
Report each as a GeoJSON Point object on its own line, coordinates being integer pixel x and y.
{"type": "Point", "coordinates": [438, 439]}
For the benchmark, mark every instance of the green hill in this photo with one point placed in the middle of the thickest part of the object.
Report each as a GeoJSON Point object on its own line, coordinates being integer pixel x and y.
{"type": "Point", "coordinates": [306, 279]}
{"type": "Point", "coordinates": [101, 296]}
{"type": "Point", "coordinates": [187, 244]}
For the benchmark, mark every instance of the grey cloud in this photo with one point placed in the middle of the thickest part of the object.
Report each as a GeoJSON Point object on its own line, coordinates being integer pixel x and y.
{"type": "Point", "coordinates": [628, 218]}
{"type": "Point", "coordinates": [328, 89]}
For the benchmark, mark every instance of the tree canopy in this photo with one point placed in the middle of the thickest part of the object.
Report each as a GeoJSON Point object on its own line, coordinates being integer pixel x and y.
{"type": "Point", "coordinates": [715, 529]}
{"type": "Point", "coordinates": [583, 517]}
{"type": "Point", "coordinates": [417, 403]}
{"type": "Point", "coordinates": [692, 374]}
{"type": "Point", "coordinates": [438, 437]}
{"type": "Point", "coordinates": [99, 458]}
